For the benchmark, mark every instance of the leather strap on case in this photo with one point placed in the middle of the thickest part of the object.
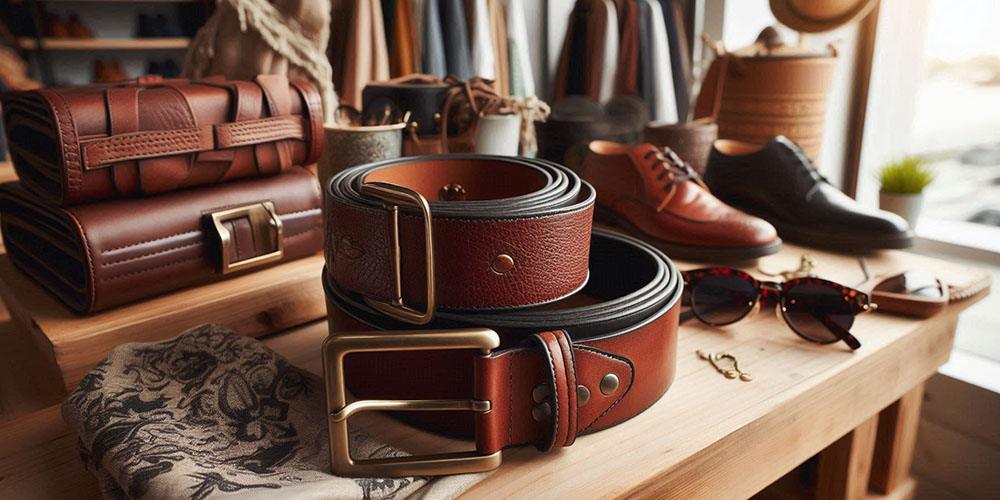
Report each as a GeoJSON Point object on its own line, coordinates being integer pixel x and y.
{"type": "Point", "coordinates": [149, 136]}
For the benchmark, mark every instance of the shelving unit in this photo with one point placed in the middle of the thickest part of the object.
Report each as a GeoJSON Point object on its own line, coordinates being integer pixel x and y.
{"type": "Point", "coordinates": [170, 43]}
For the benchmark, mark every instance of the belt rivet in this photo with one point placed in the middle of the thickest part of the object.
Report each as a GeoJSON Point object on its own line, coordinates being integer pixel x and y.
{"type": "Point", "coordinates": [541, 412]}
{"type": "Point", "coordinates": [452, 192]}
{"type": "Point", "coordinates": [582, 395]}
{"type": "Point", "coordinates": [502, 263]}
{"type": "Point", "coordinates": [609, 384]}
{"type": "Point", "coordinates": [541, 392]}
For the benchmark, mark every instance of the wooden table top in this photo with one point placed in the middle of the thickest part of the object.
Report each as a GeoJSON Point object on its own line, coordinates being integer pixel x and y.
{"type": "Point", "coordinates": [708, 437]}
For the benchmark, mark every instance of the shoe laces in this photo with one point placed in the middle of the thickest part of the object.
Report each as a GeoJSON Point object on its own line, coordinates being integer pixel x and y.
{"type": "Point", "coordinates": [673, 171]}
{"type": "Point", "coordinates": [795, 153]}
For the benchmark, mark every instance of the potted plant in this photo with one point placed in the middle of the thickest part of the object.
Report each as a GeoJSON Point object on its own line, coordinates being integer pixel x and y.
{"type": "Point", "coordinates": [903, 183]}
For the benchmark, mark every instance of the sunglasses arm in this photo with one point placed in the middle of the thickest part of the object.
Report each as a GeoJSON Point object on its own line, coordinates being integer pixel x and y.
{"type": "Point", "coordinates": [840, 332]}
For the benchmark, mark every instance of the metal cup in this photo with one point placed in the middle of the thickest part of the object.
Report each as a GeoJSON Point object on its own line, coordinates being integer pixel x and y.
{"type": "Point", "coordinates": [345, 146]}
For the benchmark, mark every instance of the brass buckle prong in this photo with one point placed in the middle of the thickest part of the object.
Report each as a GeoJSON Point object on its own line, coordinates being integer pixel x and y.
{"type": "Point", "coordinates": [338, 345]}
{"type": "Point", "coordinates": [267, 230]}
{"type": "Point", "coordinates": [395, 196]}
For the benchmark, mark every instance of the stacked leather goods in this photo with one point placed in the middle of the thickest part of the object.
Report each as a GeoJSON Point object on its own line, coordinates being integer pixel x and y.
{"type": "Point", "coordinates": [132, 189]}
{"type": "Point", "coordinates": [551, 328]}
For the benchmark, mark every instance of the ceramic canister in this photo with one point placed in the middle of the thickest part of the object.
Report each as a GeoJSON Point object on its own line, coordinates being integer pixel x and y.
{"type": "Point", "coordinates": [345, 146]}
{"type": "Point", "coordinates": [691, 141]}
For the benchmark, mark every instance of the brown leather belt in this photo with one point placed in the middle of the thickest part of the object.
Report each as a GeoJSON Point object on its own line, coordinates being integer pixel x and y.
{"type": "Point", "coordinates": [530, 374]}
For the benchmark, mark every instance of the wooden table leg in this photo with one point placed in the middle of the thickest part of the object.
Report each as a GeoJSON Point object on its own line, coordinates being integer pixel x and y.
{"type": "Point", "coordinates": [897, 436]}
{"type": "Point", "coordinates": [845, 465]}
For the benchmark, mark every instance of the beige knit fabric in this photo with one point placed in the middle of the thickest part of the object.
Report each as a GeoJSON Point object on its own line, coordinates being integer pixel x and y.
{"type": "Point", "coordinates": [244, 38]}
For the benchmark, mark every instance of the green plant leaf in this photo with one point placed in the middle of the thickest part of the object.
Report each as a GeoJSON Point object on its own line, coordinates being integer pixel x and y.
{"type": "Point", "coordinates": [909, 175]}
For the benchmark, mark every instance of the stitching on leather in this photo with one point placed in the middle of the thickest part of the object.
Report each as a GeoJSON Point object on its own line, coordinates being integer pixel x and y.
{"type": "Point", "coordinates": [120, 261]}
{"type": "Point", "coordinates": [90, 261]}
{"type": "Point", "coordinates": [168, 264]}
{"type": "Point", "coordinates": [193, 232]}
{"type": "Point", "coordinates": [555, 390]}
{"type": "Point", "coordinates": [147, 241]}
{"type": "Point", "coordinates": [564, 339]}
{"type": "Point", "coordinates": [630, 382]}
{"type": "Point", "coordinates": [71, 150]}
{"type": "Point", "coordinates": [140, 271]}
{"type": "Point", "coordinates": [117, 148]}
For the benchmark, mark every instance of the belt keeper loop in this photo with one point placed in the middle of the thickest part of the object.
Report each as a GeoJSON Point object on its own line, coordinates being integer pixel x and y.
{"type": "Point", "coordinates": [557, 350]}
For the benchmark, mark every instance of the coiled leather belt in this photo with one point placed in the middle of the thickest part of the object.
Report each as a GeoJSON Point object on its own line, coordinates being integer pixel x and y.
{"type": "Point", "coordinates": [532, 371]}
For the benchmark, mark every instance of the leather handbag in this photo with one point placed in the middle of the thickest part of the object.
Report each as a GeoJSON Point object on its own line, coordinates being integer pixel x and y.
{"type": "Point", "coordinates": [494, 297]}
{"type": "Point", "coordinates": [99, 255]}
{"type": "Point", "coordinates": [144, 137]}
{"type": "Point", "coordinates": [431, 102]}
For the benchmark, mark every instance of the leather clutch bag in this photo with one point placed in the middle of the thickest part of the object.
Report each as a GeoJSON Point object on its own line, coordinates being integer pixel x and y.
{"type": "Point", "coordinates": [143, 137]}
{"type": "Point", "coordinates": [99, 255]}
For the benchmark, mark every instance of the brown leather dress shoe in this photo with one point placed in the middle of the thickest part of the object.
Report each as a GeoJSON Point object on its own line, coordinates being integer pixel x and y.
{"type": "Point", "coordinates": [652, 193]}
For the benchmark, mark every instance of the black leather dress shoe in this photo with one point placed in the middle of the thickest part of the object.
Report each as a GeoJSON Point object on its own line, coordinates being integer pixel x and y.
{"type": "Point", "coordinates": [778, 183]}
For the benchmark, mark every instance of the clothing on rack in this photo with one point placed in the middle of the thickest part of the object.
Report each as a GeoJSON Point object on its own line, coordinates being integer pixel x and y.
{"type": "Point", "coordinates": [627, 47]}
{"type": "Point", "coordinates": [372, 40]}
{"type": "Point", "coordinates": [665, 108]}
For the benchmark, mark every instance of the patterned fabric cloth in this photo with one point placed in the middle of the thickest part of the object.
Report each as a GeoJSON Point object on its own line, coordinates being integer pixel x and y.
{"type": "Point", "coordinates": [211, 414]}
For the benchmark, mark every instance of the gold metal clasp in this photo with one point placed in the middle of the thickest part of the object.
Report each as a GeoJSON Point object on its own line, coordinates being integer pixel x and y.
{"type": "Point", "coordinates": [339, 345]}
{"type": "Point", "coordinates": [394, 196]}
{"type": "Point", "coordinates": [267, 235]}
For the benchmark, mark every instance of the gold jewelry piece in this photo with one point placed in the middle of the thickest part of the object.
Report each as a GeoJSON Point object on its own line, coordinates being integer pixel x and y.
{"type": "Point", "coordinates": [730, 372]}
{"type": "Point", "coordinates": [807, 269]}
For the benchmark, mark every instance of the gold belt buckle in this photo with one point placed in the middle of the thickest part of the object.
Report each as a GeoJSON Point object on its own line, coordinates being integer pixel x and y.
{"type": "Point", "coordinates": [338, 345]}
{"type": "Point", "coordinates": [267, 231]}
{"type": "Point", "coordinates": [394, 196]}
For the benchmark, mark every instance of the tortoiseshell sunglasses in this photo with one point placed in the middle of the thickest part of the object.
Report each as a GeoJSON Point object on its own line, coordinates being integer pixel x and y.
{"type": "Point", "coordinates": [817, 310]}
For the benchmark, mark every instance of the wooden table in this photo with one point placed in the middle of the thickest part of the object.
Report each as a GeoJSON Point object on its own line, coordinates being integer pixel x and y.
{"type": "Point", "coordinates": [708, 437]}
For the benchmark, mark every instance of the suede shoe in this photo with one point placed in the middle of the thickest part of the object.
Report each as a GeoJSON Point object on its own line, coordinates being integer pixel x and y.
{"type": "Point", "coordinates": [779, 183]}
{"type": "Point", "coordinates": [652, 193]}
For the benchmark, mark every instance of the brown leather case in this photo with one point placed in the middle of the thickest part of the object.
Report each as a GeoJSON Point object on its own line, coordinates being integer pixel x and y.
{"type": "Point", "coordinates": [143, 137]}
{"type": "Point", "coordinates": [99, 255]}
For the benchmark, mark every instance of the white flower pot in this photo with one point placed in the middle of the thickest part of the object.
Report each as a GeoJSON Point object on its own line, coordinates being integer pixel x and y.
{"type": "Point", "coordinates": [906, 205]}
{"type": "Point", "coordinates": [499, 135]}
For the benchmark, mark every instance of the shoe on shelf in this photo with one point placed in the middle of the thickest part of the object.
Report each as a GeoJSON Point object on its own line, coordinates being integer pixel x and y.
{"type": "Point", "coordinates": [653, 194]}
{"type": "Point", "coordinates": [154, 67]}
{"type": "Point", "coordinates": [779, 183]}
{"type": "Point", "coordinates": [55, 27]}
{"type": "Point", "coordinates": [76, 27]}
{"type": "Point", "coordinates": [171, 69]}
{"type": "Point", "coordinates": [14, 72]}
{"type": "Point", "coordinates": [108, 71]}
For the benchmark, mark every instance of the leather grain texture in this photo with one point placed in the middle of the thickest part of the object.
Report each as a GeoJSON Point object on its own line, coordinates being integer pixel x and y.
{"type": "Point", "coordinates": [623, 323]}
{"type": "Point", "coordinates": [535, 213]}
{"type": "Point", "coordinates": [99, 255]}
{"type": "Point", "coordinates": [137, 138]}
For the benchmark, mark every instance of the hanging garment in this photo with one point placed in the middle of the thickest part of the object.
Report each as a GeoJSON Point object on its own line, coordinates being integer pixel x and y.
{"type": "Point", "coordinates": [403, 54]}
{"type": "Point", "coordinates": [645, 74]}
{"type": "Point", "coordinates": [483, 55]}
{"type": "Point", "coordinates": [665, 107]}
{"type": "Point", "coordinates": [597, 32]}
{"type": "Point", "coordinates": [627, 75]}
{"type": "Point", "coordinates": [498, 32]}
{"type": "Point", "coordinates": [389, 21]}
{"type": "Point", "coordinates": [433, 58]}
{"type": "Point", "coordinates": [366, 57]}
{"type": "Point", "coordinates": [336, 53]}
{"type": "Point", "coordinates": [680, 56]}
{"type": "Point", "coordinates": [419, 14]}
{"type": "Point", "coordinates": [517, 33]}
{"type": "Point", "coordinates": [456, 39]}
{"type": "Point", "coordinates": [609, 62]}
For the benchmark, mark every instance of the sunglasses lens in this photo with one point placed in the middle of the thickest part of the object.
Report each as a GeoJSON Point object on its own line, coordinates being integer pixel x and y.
{"type": "Point", "coordinates": [722, 299]}
{"type": "Point", "coordinates": [807, 306]}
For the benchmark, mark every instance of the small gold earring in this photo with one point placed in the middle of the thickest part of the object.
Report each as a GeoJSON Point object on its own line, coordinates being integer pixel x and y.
{"type": "Point", "coordinates": [716, 359]}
